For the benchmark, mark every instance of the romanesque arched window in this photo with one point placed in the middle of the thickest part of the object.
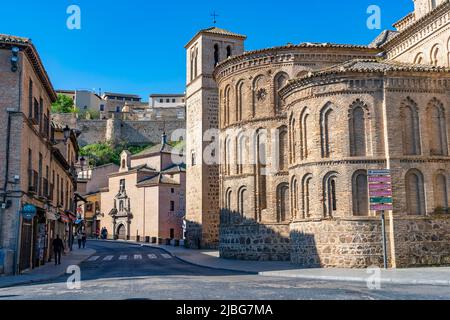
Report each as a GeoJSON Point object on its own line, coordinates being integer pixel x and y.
{"type": "Point", "coordinates": [280, 81]}
{"type": "Point", "coordinates": [196, 63]}
{"type": "Point", "coordinates": [282, 202]}
{"type": "Point", "coordinates": [283, 148]}
{"type": "Point", "coordinates": [259, 93]}
{"type": "Point", "coordinates": [330, 194]}
{"type": "Point", "coordinates": [227, 102]}
{"type": "Point", "coordinates": [216, 55]}
{"type": "Point", "coordinates": [228, 195]}
{"type": "Point", "coordinates": [239, 100]}
{"type": "Point", "coordinates": [419, 58]}
{"type": "Point", "coordinates": [360, 193]}
{"type": "Point", "coordinates": [327, 121]}
{"type": "Point", "coordinates": [448, 52]}
{"type": "Point", "coordinates": [242, 198]}
{"type": "Point", "coordinates": [415, 196]}
{"type": "Point", "coordinates": [433, 4]}
{"type": "Point", "coordinates": [435, 55]}
{"type": "Point", "coordinates": [294, 197]}
{"type": "Point", "coordinates": [227, 204]}
{"type": "Point", "coordinates": [192, 65]}
{"type": "Point", "coordinates": [304, 133]}
{"type": "Point", "coordinates": [437, 128]}
{"type": "Point", "coordinates": [358, 121]}
{"type": "Point", "coordinates": [241, 152]}
{"type": "Point", "coordinates": [261, 164]}
{"type": "Point", "coordinates": [306, 186]}
{"type": "Point", "coordinates": [227, 156]}
{"type": "Point", "coordinates": [410, 126]}
{"type": "Point", "coordinates": [440, 191]}
{"type": "Point", "coordinates": [229, 51]}
{"type": "Point", "coordinates": [292, 140]}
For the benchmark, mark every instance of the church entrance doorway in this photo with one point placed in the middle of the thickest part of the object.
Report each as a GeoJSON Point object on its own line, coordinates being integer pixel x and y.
{"type": "Point", "coordinates": [121, 234]}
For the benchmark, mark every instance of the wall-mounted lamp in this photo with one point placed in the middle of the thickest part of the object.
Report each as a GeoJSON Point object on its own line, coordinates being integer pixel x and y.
{"type": "Point", "coordinates": [66, 131]}
{"type": "Point", "coordinates": [15, 59]}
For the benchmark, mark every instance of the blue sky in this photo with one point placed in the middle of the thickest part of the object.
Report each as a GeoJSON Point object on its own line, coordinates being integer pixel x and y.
{"type": "Point", "coordinates": [137, 46]}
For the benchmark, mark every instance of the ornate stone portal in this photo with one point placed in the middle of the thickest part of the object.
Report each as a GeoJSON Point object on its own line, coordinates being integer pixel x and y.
{"type": "Point", "coordinates": [121, 214]}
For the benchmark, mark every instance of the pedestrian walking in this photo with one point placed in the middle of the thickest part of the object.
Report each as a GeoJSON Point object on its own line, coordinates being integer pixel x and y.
{"type": "Point", "coordinates": [80, 240]}
{"type": "Point", "coordinates": [84, 239]}
{"type": "Point", "coordinates": [58, 247]}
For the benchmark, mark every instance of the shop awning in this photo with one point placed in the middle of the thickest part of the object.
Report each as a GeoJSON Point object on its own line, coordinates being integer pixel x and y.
{"type": "Point", "coordinates": [51, 216]}
{"type": "Point", "coordinates": [64, 218]}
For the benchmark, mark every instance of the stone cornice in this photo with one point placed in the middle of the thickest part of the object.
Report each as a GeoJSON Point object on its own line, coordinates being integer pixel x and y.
{"type": "Point", "coordinates": [328, 163]}
{"type": "Point", "coordinates": [298, 55]}
{"type": "Point", "coordinates": [419, 30]}
{"type": "Point", "coordinates": [412, 81]}
{"type": "Point", "coordinates": [239, 124]}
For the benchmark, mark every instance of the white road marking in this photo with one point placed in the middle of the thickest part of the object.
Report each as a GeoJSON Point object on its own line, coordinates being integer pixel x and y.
{"type": "Point", "coordinates": [152, 256]}
{"type": "Point", "coordinates": [94, 258]}
{"type": "Point", "coordinates": [166, 256]}
{"type": "Point", "coordinates": [123, 257]}
{"type": "Point", "coordinates": [108, 258]}
{"type": "Point", "coordinates": [137, 257]}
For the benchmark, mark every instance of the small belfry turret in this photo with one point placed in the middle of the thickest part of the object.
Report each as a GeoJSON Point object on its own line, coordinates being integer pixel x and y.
{"type": "Point", "coordinates": [204, 52]}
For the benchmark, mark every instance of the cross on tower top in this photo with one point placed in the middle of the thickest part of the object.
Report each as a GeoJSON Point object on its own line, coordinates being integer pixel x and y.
{"type": "Point", "coordinates": [214, 15]}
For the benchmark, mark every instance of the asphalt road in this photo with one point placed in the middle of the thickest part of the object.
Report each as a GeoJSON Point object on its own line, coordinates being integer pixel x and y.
{"type": "Point", "coordinates": [120, 271]}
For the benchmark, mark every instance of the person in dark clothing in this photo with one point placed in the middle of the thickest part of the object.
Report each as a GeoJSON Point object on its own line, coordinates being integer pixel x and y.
{"type": "Point", "coordinates": [84, 239]}
{"type": "Point", "coordinates": [58, 247]}
{"type": "Point", "coordinates": [80, 240]}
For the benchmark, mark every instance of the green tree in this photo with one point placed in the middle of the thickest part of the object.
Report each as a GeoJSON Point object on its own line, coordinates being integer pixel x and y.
{"type": "Point", "coordinates": [103, 153]}
{"type": "Point", "coordinates": [63, 104]}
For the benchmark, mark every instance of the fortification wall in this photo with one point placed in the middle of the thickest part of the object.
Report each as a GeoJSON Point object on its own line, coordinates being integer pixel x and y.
{"type": "Point", "coordinates": [117, 130]}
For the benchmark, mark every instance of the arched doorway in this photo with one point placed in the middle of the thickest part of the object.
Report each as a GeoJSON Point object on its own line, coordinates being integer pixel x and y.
{"type": "Point", "coordinates": [121, 232]}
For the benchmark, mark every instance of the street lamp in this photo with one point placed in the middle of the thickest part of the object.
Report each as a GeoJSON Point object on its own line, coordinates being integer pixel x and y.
{"type": "Point", "coordinates": [66, 131]}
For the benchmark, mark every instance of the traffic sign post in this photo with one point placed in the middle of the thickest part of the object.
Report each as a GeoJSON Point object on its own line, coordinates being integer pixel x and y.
{"type": "Point", "coordinates": [380, 191]}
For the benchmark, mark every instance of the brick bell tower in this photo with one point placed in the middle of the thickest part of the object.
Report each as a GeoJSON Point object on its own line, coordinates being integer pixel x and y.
{"type": "Point", "coordinates": [204, 51]}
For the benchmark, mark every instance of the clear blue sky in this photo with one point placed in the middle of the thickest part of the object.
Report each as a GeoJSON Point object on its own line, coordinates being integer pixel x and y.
{"type": "Point", "coordinates": [137, 46]}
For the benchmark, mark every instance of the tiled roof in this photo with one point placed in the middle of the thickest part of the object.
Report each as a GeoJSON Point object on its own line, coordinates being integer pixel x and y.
{"type": "Point", "coordinates": [372, 65]}
{"type": "Point", "coordinates": [215, 30]}
{"type": "Point", "coordinates": [289, 48]}
{"type": "Point", "coordinates": [157, 180]}
{"type": "Point", "coordinates": [14, 39]}
{"type": "Point", "coordinates": [383, 37]}
{"type": "Point", "coordinates": [363, 66]}
{"type": "Point", "coordinates": [159, 148]}
{"type": "Point", "coordinates": [175, 169]}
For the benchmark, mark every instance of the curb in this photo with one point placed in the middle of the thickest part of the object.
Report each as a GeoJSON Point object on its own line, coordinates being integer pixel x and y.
{"type": "Point", "coordinates": [306, 277]}
{"type": "Point", "coordinates": [442, 283]}
{"type": "Point", "coordinates": [181, 259]}
{"type": "Point", "coordinates": [54, 276]}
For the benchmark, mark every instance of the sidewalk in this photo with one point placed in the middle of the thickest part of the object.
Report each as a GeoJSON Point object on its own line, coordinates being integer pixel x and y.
{"type": "Point", "coordinates": [210, 259]}
{"type": "Point", "coordinates": [49, 271]}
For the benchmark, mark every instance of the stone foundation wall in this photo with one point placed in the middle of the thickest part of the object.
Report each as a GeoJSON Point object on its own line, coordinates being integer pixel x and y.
{"type": "Point", "coordinates": [343, 243]}
{"type": "Point", "coordinates": [255, 242]}
{"type": "Point", "coordinates": [422, 241]}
